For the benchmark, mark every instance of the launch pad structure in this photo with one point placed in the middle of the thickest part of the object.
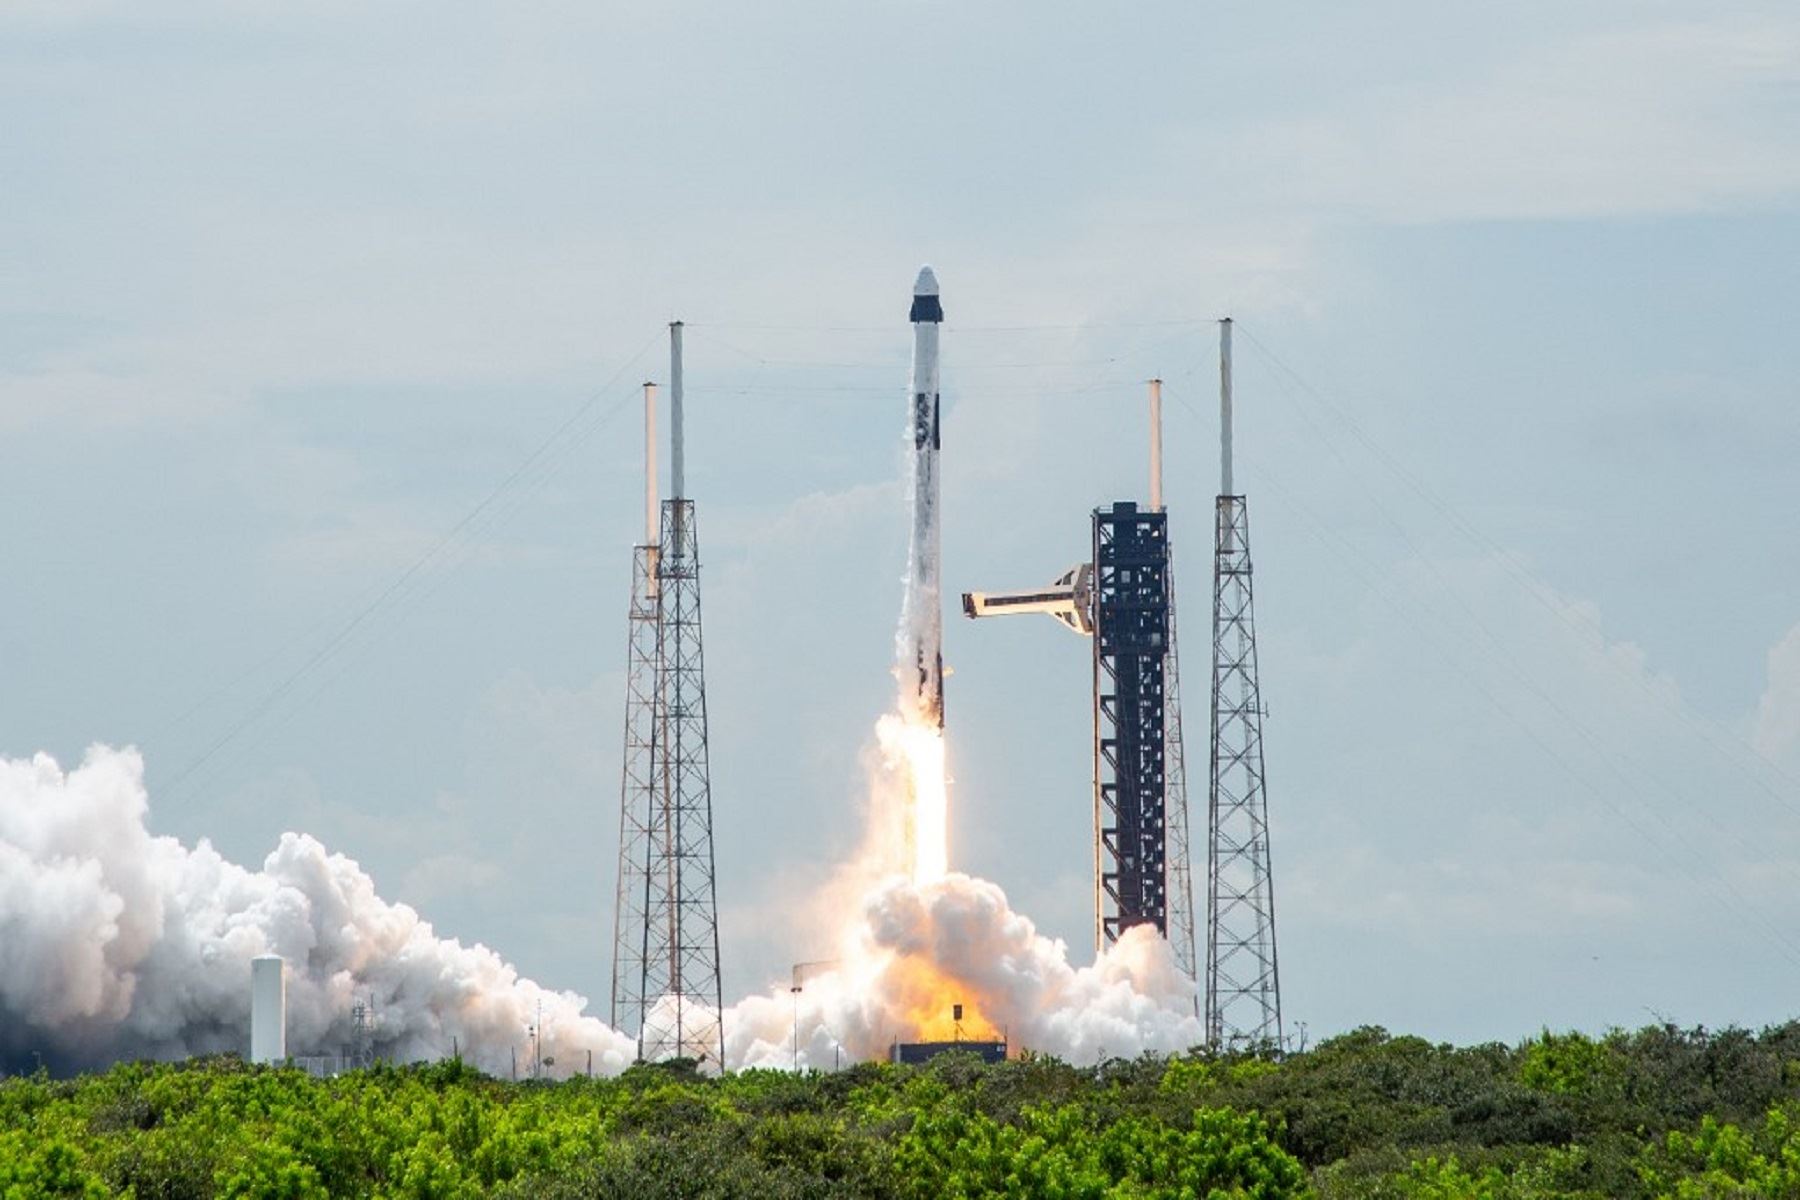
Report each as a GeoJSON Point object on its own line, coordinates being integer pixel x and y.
{"type": "Point", "coordinates": [1123, 597]}
{"type": "Point", "coordinates": [665, 982]}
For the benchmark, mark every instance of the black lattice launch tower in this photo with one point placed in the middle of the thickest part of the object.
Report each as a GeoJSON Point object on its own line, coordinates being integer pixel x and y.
{"type": "Point", "coordinates": [666, 985]}
{"type": "Point", "coordinates": [1131, 645]}
{"type": "Point", "coordinates": [1243, 984]}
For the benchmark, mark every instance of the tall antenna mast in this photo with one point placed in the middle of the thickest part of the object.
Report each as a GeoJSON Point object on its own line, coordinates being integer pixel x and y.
{"type": "Point", "coordinates": [1156, 495]}
{"type": "Point", "coordinates": [1225, 408]}
{"type": "Point", "coordinates": [1243, 984]}
{"type": "Point", "coordinates": [677, 449]}
{"type": "Point", "coordinates": [650, 506]}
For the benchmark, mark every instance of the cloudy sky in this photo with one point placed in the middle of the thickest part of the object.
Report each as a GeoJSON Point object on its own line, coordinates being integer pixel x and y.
{"type": "Point", "coordinates": [320, 337]}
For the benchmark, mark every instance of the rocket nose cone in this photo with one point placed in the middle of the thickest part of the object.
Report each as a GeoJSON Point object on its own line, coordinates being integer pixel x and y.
{"type": "Point", "coordinates": [925, 306]}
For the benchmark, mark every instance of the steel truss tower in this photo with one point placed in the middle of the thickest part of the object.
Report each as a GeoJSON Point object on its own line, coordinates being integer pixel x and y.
{"type": "Point", "coordinates": [680, 989]}
{"type": "Point", "coordinates": [1131, 642]}
{"type": "Point", "coordinates": [1243, 984]}
{"type": "Point", "coordinates": [666, 937]}
{"type": "Point", "coordinates": [640, 791]}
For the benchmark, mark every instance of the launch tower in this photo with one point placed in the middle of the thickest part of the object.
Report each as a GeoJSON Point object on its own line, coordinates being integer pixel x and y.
{"type": "Point", "coordinates": [665, 934]}
{"type": "Point", "coordinates": [1131, 641]}
{"type": "Point", "coordinates": [1243, 985]}
{"type": "Point", "coordinates": [1123, 598]}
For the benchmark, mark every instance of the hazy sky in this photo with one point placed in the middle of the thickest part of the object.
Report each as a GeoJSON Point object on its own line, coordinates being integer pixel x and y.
{"type": "Point", "coordinates": [320, 338]}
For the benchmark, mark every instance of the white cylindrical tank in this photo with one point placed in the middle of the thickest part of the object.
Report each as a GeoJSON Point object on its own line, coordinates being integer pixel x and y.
{"type": "Point", "coordinates": [268, 1009]}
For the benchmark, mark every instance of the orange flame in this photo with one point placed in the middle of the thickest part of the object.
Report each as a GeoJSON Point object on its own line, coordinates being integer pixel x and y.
{"type": "Point", "coordinates": [927, 998]}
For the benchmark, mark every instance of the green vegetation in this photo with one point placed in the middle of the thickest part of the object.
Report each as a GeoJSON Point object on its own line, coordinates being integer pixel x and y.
{"type": "Point", "coordinates": [1658, 1113]}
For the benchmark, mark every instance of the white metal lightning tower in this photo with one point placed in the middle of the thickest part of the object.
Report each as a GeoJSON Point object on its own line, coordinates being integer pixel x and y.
{"type": "Point", "coordinates": [666, 931]}
{"type": "Point", "coordinates": [1243, 984]}
{"type": "Point", "coordinates": [640, 789]}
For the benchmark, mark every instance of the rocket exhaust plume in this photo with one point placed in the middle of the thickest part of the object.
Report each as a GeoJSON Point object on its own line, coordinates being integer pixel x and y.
{"type": "Point", "coordinates": [908, 952]}
{"type": "Point", "coordinates": [118, 944]}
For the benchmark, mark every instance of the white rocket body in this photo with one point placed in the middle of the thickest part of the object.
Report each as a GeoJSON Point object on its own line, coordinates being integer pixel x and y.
{"type": "Point", "coordinates": [922, 625]}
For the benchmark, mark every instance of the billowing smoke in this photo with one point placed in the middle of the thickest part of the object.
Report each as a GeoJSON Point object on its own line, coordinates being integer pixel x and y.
{"type": "Point", "coordinates": [118, 944]}
{"type": "Point", "coordinates": [916, 949]}
{"type": "Point", "coordinates": [909, 945]}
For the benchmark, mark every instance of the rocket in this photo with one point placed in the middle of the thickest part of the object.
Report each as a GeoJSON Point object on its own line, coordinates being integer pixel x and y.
{"type": "Point", "coordinates": [922, 624]}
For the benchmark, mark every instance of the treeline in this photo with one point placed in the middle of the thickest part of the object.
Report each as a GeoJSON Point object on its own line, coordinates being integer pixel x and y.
{"type": "Point", "coordinates": [1660, 1112]}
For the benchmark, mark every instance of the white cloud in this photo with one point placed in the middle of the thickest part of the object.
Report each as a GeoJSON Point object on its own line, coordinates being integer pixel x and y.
{"type": "Point", "coordinates": [1661, 118]}
{"type": "Point", "coordinates": [1506, 779]}
{"type": "Point", "coordinates": [1776, 730]}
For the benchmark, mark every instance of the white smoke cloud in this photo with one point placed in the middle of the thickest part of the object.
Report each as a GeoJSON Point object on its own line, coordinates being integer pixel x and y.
{"type": "Point", "coordinates": [916, 949]}
{"type": "Point", "coordinates": [1776, 732]}
{"type": "Point", "coordinates": [117, 944]}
